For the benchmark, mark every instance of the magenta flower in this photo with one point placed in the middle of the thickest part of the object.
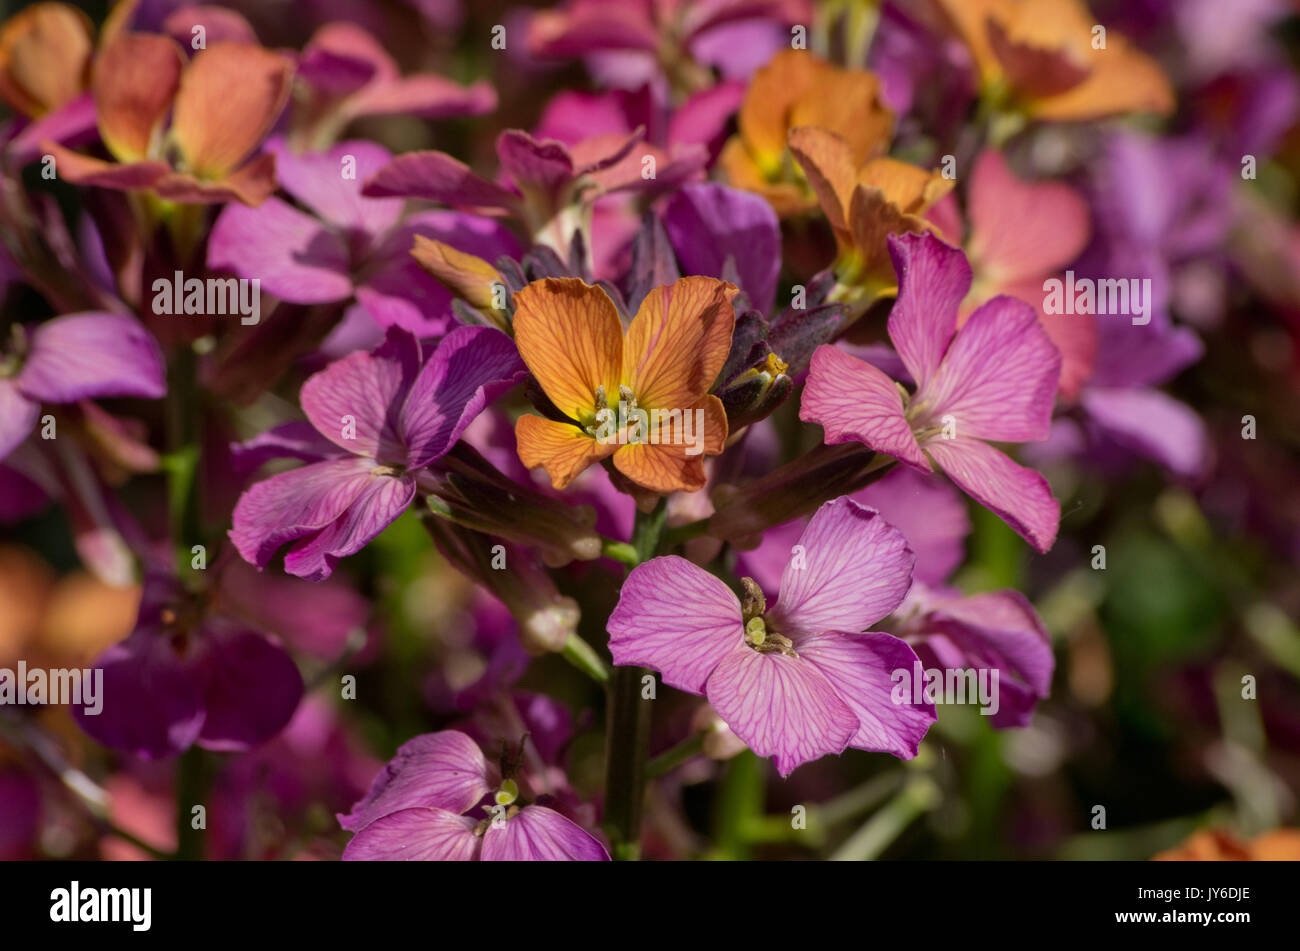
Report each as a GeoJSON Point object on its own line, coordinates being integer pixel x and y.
{"type": "Point", "coordinates": [72, 358]}
{"type": "Point", "coordinates": [992, 381]}
{"type": "Point", "coordinates": [799, 681]}
{"type": "Point", "coordinates": [379, 418]}
{"type": "Point", "coordinates": [438, 799]}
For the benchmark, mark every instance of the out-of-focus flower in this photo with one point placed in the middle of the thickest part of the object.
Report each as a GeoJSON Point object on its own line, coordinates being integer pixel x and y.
{"type": "Point", "coordinates": [45, 53]}
{"type": "Point", "coordinates": [570, 335]}
{"type": "Point", "coordinates": [799, 681]}
{"type": "Point", "coordinates": [1220, 845]}
{"type": "Point", "coordinates": [349, 246]}
{"type": "Point", "coordinates": [221, 105]}
{"type": "Point", "coordinates": [71, 358]}
{"type": "Point", "coordinates": [1051, 59]}
{"type": "Point", "coordinates": [798, 89]}
{"type": "Point", "coordinates": [426, 804]}
{"type": "Point", "coordinates": [864, 205]}
{"type": "Point", "coordinates": [994, 380]}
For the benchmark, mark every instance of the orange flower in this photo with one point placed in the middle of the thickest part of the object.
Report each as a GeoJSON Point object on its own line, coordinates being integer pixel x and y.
{"type": "Point", "coordinates": [642, 397]}
{"type": "Point", "coordinates": [795, 89]}
{"type": "Point", "coordinates": [1219, 845]}
{"type": "Point", "coordinates": [222, 104]}
{"type": "Point", "coordinates": [44, 57]}
{"type": "Point", "coordinates": [865, 204]}
{"type": "Point", "coordinates": [1047, 59]}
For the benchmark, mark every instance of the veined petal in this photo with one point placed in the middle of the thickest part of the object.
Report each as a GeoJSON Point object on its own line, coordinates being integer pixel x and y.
{"type": "Point", "coordinates": [780, 706]}
{"type": "Point", "coordinates": [415, 835]}
{"type": "Point", "coordinates": [668, 463]}
{"type": "Point", "coordinates": [230, 96]}
{"type": "Point", "coordinates": [79, 356]}
{"type": "Point", "coordinates": [1020, 497]}
{"type": "Point", "coordinates": [562, 449]}
{"type": "Point", "coordinates": [677, 618]}
{"type": "Point", "coordinates": [933, 278]}
{"type": "Point", "coordinates": [365, 392]}
{"type": "Point", "coordinates": [678, 341]}
{"type": "Point", "coordinates": [470, 368]}
{"type": "Point", "coordinates": [854, 570]}
{"type": "Point", "coordinates": [860, 668]}
{"type": "Point", "coordinates": [569, 334]}
{"type": "Point", "coordinates": [538, 834]}
{"type": "Point", "coordinates": [855, 402]}
{"type": "Point", "coordinates": [446, 770]}
{"type": "Point", "coordinates": [381, 500]}
{"type": "Point", "coordinates": [998, 380]}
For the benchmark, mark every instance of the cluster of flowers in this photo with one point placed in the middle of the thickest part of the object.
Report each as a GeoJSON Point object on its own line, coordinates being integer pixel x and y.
{"type": "Point", "coordinates": [753, 319]}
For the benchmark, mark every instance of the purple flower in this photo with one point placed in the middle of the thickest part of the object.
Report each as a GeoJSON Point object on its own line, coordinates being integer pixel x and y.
{"type": "Point", "coordinates": [799, 681]}
{"type": "Point", "coordinates": [71, 358]}
{"type": "Point", "coordinates": [379, 418]}
{"type": "Point", "coordinates": [348, 246]}
{"type": "Point", "coordinates": [438, 800]}
{"type": "Point", "coordinates": [182, 678]}
{"type": "Point", "coordinates": [993, 380]}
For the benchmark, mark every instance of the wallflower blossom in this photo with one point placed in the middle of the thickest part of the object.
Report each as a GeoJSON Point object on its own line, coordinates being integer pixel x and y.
{"type": "Point", "coordinates": [379, 418]}
{"type": "Point", "coordinates": [797, 89]}
{"type": "Point", "coordinates": [222, 104]}
{"type": "Point", "coordinates": [801, 680]}
{"type": "Point", "coordinates": [439, 799]}
{"type": "Point", "coordinates": [993, 380]}
{"type": "Point", "coordinates": [570, 335]}
{"type": "Point", "coordinates": [71, 358]}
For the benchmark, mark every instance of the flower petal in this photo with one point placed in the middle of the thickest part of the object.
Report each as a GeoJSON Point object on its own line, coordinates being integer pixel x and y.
{"type": "Point", "coordinates": [930, 514]}
{"type": "Point", "coordinates": [415, 835]}
{"type": "Point", "coordinates": [381, 500]}
{"type": "Point", "coordinates": [855, 568]}
{"type": "Point", "coordinates": [293, 255]}
{"type": "Point", "coordinates": [80, 356]}
{"type": "Point", "coordinates": [365, 392]}
{"type": "Point", "coordinates": [1158, 426]}
{"type": "Point", "coordinates": [250, 689]}
{"type": "Point", "coordinates": [18, 416]}
{"type": "Point", "coordinates": [933, 278]}
{"type": "Point", "coordinates": [1020, 497]}
{"type": "Point", "coordinates": [677, 618]}
{"type": "Point", "coordinates": [538, 834]}
{"type": "Point", "coordinates": [136, 78]}
{"type": "Point", "coordinates": [470, 368]}
{"type": "Point", "coordinates": [230, 96]}
{"type": "Point", "coordinates": [998, 380]}
{"type": "Point", "coordinates": [445, 770]}
{"type": "Point", "coordinates": [854, 402]}
{"type": "Point", "coordinates": [330, 183]}
{"type": "Point", "coordinates": [436, 176]}
{"type": "Point", "coordinates": [562, 449]}
{"type": "Point", "coordinates": [678, 341]}
{"type": "Point", "coordinates": [781, 706]}
{"type": "Point", "coordinates": [860, 668]}
{"type": "Point", "coordinates": [570, 336]}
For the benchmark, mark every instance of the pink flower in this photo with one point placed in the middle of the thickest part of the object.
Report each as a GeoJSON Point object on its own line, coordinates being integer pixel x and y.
{"type": "Point", "coordinates": [992, 381]}
{"type": "Point", "coordinates": [438, 799]}
{"type": "Point", "coordinates": [799, 681]}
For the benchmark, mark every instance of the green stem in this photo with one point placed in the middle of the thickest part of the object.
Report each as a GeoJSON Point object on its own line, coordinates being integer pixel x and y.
{"type": "Point", "coordinates": [673, 757]}
{"type": "Point", "coordinates": [628, 734]}
{"type": "Point", "coordinates": [877, 833]}
{"type": "Point", "coordinates": [583, 656]}
{"type": "Point", "coordinates": [190, 783]}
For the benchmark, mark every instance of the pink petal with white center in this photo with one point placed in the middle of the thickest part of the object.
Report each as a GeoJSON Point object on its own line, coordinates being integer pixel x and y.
{"type": "Point", "coordinates": [538, 834]}
{"type": "Point", "coordinates": [415, 835]}
{"type": "Point", "coordinates": [854, 569]}
{"type": "Point", "coordinates": [855, 402]}
{"type": "Point", "coordinates": [82, 356]}
{"type": "Point", "coordinates": [781, 706]}
{"type": "Point", "coordinates": [365, 392]}
{"type": "Point", "coordinates": [446, 770]}
{"type": "Point", "coordinates": [470, 368]}
{"type": "Point", "coordinates": [860, 668]}
{"type": "Point", "coordinates": [998, 380]}
{"type": "Point", "coordinates": [933, 278]}
{"type": "Point", "coordinates": [1020, 497]}
{"type": "Point", "coordinates": [677, 618]}
{"type": "Point", "coordinates": [295, 257]}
